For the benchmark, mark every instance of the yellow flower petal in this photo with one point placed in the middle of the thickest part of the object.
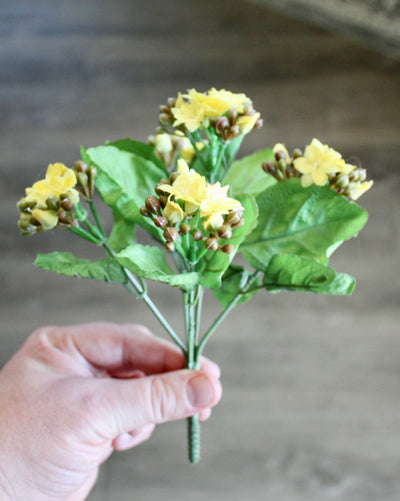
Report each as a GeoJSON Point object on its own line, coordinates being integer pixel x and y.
{"type": "Point", "coordinates": [173, 212]}
{"type": "Point", "coordinates": [48, 219]}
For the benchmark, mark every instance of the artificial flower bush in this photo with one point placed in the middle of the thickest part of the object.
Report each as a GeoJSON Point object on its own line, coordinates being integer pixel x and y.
{"type": "Point", "coordinates": [285, 214]}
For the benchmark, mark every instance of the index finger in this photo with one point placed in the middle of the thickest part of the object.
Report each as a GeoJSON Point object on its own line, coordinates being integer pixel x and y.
{"type": "Point", "coordinates": [121, 349]}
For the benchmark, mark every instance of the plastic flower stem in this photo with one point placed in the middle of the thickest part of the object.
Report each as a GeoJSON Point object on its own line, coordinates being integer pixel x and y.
{"type": "Point", "coordinates": [190, 300]}
{"type": "Point", "coordinates": [80, 232]}
{"type": "Point", "coordinates": [225, 312]}
{"type": "Point", "coordinates": [143, 295]}
{"type": "Point", "coordinates": [220, 156]}
{"type": "Point", "coordinates": [96, 218]}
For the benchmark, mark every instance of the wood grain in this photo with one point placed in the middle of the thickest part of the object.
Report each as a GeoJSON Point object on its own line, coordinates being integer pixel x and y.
{"type": "Point", "coordinates": [311, 407]}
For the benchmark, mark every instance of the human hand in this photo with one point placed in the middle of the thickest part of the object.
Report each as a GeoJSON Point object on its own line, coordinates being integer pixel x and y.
{"type": "Point", "coordinates": [72, 395]}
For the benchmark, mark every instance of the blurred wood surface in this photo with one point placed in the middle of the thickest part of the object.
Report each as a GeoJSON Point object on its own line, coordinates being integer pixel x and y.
{"type": "Point", "coordinates": [311, 405]}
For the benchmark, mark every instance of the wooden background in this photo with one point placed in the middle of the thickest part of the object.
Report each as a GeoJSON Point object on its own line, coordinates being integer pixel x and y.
{"type": "Point", "coordinates": [311, 405]}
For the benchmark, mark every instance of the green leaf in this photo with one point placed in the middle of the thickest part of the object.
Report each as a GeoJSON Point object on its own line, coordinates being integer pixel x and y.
{"type": "Point", "coordinates": [124, 180]}
{"type": "Point", "coordinates": [65, 263]}
{"type": "Point", "coordinates": [297, 273]}
{"type": "Point", "coordinates": [232, 281]}
{"type": "Point", "coordinates": [140, 149]}
{"type": "Point", "coordinates": [309, 222]}
{"type": "Point", "coordinates": [149, 262]}
{"type": "Point", "coordinates": [247, 176]}
{"type": "Point", "coordinates": [216, 262]}
{"type": "Point", "coordinates": [122, 234]}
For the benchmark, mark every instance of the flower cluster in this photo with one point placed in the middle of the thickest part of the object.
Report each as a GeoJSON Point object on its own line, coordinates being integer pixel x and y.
{"type": "Point", "coordinates": [49, 202]}
{"type": "Point", "coordinates": [320, 165]}
{"type": "Point", "coordinates": [229, 114]}
{"type": "Point", "coordinates": [186, 202]}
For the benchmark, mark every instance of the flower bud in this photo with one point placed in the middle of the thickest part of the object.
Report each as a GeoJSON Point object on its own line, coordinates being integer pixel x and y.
{"type": "Point", "coordinates": [152, 204]}
{"type": "Point", "coordinates": [280, 155]}
{"type": "Point", "coordinates": [233, 217]}
{"type": "Point", "coordinates": [197, 235]}
{"type": "Point", "coordinates": [297, 153]}
{"type": "Point", "coordinates": [33, 221]}
{"type": "Point", "coordinates": [66, 204]}
{"type": "Point", "coordinates": [228, 248]}
{"type": "Point", "coordinates": [170, 246]}
{"type": "Point", "coordinates": [238, 224]}
{"type": "Point", "coordinates": [184, 228]}
{"type": "Point", "coordinates": [225, 231]}
{"type": "Point", "coordinates": [144, 212]}
{"type": "Point", "coordinates": [232, 115]}
{"type": "Point", "coordinates": [80, 166]}
{"type": "Point", "coordinates": [25, 224]}
{"type": "Point", "coordinates": [160, 221]}
{"type": "Point", "coordinates": [52, 203]}
{"type": "Point", "coordinates": [64, 217]}
{"type": "Point", "coordinates": [170, 234]}
{"type": "Point", "coordinates": [211, 244]}
{"type": "Point", "coordinates": [222, 124]}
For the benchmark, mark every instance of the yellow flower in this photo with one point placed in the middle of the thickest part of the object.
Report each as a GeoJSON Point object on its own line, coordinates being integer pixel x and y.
{"type": "Point", "coordinates": [195, 109]}
{"type": "Point", "coordinates": [189, 114]}
{"type": "Point", "coordinates": [173, 212]}
{"type": "Point", "coordinates": [231, 100]}
{"type": "Point", "coordinates": [355, 190]}
{"type": "Point", "coordinates": [59, 180]}
{"type": "Point", "coordinates": [189, 186]}
{"type": "Point", "coordinates": [215, 205]}
{"type": "Point", "coordinates": [318, 161]}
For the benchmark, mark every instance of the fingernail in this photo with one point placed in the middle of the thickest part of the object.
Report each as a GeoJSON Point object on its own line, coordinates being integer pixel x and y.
{"type": "Point", "coordinates": [200, 392]}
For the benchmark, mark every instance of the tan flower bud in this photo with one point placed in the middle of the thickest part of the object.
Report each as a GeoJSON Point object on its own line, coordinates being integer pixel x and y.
{"type": "Point", "coordinates": [211, 244]}
{"type": "Point", "coordinates": [170, 246]}
{"type": "Point", "coordinates": [80, 166]}
{"type": "Point", "coordinates": [197, 235]}
{"type": "Point", "coordinates": [238, 224]}
{"type": "Point", "coordinates": [228, 248]}
{"type": "Point", "coordinates": [222, 124]}
{"type": "Point", "coordinates": [233, 217]}
{"type": "Point", "coordinates": [225, 231]}
{"type": "Point", "coordinates": [160, 221]}
{"type": "Point", "coordinates": [170, 234]}
{"type": "Point", "coordinates": [66, 204]}
{"type": "Point", "coordinates": [144, 212]}
{"type": "Point", "coordinates": [184, 228]}
{"type": "Point", "coordinates": [152, 204]}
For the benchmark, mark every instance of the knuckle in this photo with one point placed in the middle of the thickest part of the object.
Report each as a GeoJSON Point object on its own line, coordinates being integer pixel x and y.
{"type": "Point", "coordinates": [162, 400]}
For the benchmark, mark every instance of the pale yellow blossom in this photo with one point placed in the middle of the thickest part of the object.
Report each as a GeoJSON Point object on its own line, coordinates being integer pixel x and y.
{"type": "Point", "coordinates": [189, 186]}
{"type": "Point", "coordinates": [318, 161]}
{"type": "Point", "coordinates": [215, 205]}
{"type": "Point", "coordinates": [59, 180]}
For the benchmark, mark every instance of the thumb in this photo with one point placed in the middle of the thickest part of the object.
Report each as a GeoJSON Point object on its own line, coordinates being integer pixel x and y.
{"type": "Point", "coordinates": [130, 404]}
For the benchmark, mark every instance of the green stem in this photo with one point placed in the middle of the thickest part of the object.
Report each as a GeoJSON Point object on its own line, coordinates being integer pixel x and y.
{"type": "Point", "coordinates": [80, 232]}
{"type": "Point", "coordinates": [96, 218]}
{"type": "Point", "coordinates": [243, 290]}
{"type": "Point", "coordinates": [143, 295]}
{"type": "Point", "coordinates": [216, 323]}
{"type": "Point", "coordinates": [192, 362]}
